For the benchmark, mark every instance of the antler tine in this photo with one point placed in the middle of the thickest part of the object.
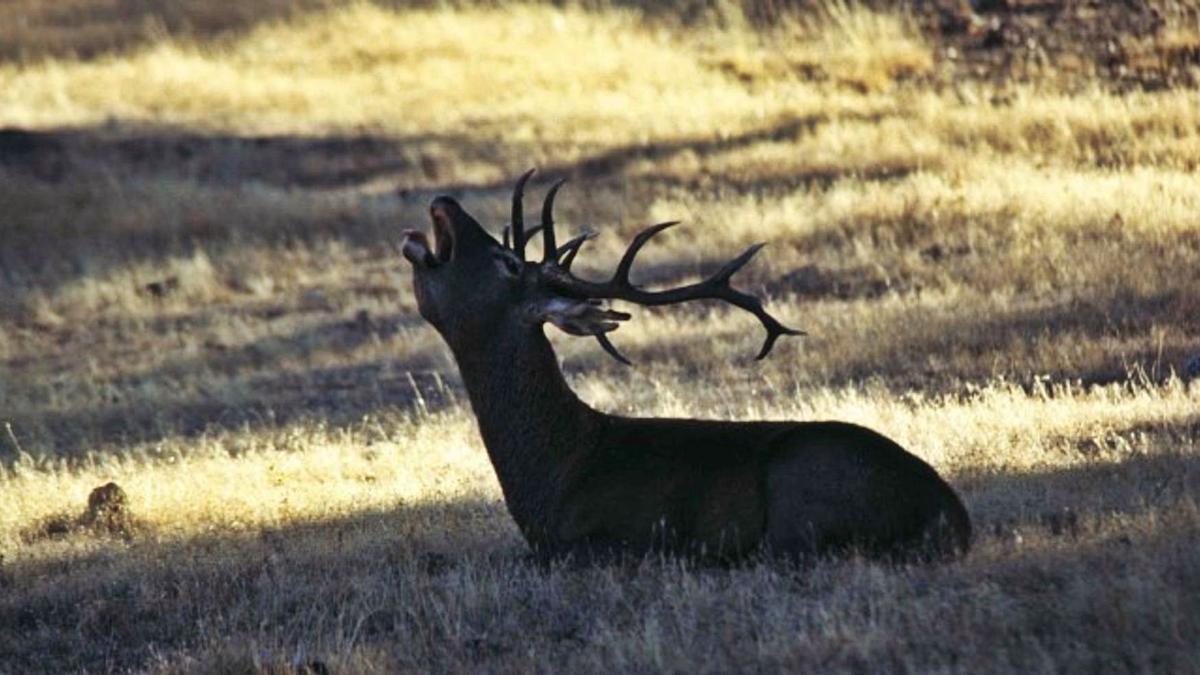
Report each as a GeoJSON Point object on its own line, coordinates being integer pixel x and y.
{"type": "Point", "coordinates": [608, 346]}
{"type": "Point", "coordinates": [715, 287]}
{"type": "Point", "coordinates": [550, 249]}
{"type": "Point", "coordinates": [621, 276]}
{"type": "Point", "coordinates": [568, 250]}
{"type": "Point", "coordinates": [528, 234]}
{"type": "Point", "coordinates": [750, 303]}
{"type": "Point", "coordinates": [518, 214]}
{"type": "Point", "coordinates": [775, 330]}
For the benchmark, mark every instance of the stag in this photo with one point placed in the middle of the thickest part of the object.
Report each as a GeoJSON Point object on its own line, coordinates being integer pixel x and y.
{"type": "Point", "coordinates": [584, 484]}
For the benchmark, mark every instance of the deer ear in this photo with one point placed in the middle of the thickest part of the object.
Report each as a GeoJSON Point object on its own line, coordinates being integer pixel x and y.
{"type": "Point", "coordinates": [575, 317]}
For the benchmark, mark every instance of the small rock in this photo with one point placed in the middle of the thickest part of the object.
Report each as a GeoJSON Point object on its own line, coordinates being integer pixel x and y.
{"type": "Point", "coordinates": [108, 511]}
{"type": "Point", "coordinates": [161, 288]}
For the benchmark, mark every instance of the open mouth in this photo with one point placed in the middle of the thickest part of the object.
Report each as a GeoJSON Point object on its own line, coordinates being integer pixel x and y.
{"type": "Point", "coordinates": [443, 239]}
{"type": "Point", "coordinates": [416, 244]}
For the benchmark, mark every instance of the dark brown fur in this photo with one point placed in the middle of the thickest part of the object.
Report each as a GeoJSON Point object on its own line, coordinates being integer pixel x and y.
{"type": "Point", "coordinates": [582, 483]}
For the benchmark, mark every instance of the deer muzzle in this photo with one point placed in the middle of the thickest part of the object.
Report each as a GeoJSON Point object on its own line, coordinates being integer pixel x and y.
{"type": "Point", "coordinates": [415, 248]}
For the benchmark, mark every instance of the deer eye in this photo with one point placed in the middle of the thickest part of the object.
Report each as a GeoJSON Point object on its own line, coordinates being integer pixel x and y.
{"type": "Point", "coordinates": [508, 264]}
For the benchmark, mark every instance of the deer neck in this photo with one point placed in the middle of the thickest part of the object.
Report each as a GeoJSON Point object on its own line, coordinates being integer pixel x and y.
{"type": "Point", "coordinates": [530, 419]}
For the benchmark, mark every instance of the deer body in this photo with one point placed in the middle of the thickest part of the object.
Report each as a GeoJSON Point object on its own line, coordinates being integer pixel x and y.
{"type": "Point", "coordinates": [583, 483]}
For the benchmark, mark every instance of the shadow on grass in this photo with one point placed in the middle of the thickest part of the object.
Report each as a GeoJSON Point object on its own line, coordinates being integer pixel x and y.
{"type": "Point", "coordinates": [968, 350]}
{"type": "Point", "coordinates": [69, 222]}
{"type": "Point", "coordinates": [986, 346]}
{"type": "Point", "coordinates": [92, 29]}
{"type": "Point", "coordinates": [439, 581]}
{"type": "Point", "coordinates": [421, 162]}
{"type": "Point", "coordinates": [316, 164]}
{"type": "Point", "coordinates": [1060, 502]}
{"type": "Point", "coordinates": [253, 389]}
{"type": "Point", "coordinates": [121, 603]}
{"type": "Point", "coordinates": [258, 385]}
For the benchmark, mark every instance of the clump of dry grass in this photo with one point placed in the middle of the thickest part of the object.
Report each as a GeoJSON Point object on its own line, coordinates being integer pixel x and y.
{"type": "Point", "coordinates": [841, 43]}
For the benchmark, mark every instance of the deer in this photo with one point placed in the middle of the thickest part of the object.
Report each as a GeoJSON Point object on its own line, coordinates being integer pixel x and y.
{"type": "Point", "coordinates": [582, 484]}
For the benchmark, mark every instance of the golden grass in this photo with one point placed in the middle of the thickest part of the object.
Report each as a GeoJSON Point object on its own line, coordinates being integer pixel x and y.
{"type": "Point", "coordinates": [416, 73]}
{"type": "Point", "coordinates": [841, 43]}
{"type": "Point", "coordinates": [254, 479]}
{"type": "Point", "coordinates": [200, 300]}
{"type": "Point", "coordinates": [289, 528]}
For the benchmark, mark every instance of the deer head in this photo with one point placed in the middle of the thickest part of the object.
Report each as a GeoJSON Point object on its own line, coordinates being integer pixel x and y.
{"type": "Point", "coordinates": [469, 284]}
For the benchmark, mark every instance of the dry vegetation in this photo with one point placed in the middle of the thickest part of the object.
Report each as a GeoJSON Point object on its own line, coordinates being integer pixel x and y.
{"type": "Point", "coordinates": [200, 300]}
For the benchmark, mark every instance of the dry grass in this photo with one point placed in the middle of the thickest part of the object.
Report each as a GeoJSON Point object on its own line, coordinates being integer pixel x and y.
{"type": "Point", "coordinates": [200, 300]}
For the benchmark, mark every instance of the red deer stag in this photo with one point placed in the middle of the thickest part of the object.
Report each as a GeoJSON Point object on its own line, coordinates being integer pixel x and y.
{"type": "Point", "coordinates": [582, 483]}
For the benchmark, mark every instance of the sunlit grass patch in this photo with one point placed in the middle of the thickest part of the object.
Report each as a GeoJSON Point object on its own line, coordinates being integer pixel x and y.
{"type": "Point", "coordinates": [418, 72]}
{"type": "Point", "coordinates": [842, 43]}
{"type": "Point", "coordinates": [992, 225]}
{"type": "Point", "coordinates": [1092, 127]}
{"type": "Point", "coordinates": [252, 479]}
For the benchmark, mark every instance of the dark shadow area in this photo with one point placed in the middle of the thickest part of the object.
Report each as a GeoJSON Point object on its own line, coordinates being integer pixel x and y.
{"type": "Point", "coordinates": [92, 29]}
{"type": "Point", "coordinates": [1060, 502]}
{"type": "Point", "coordinates": [52, 160]}
{"type": "Point", "coordinates": [68, 176]}
{"type": "Point", "coordinates": [259, 394]}
{"type": "Point", "coordinates": [117, 607]}
{"type": "Point", "coordinates": [288, 161]}
{"type": "Point", "coordinates": [1121, 316]}
{"type": "Point", "coordinates": [346, 161]}
{"type": "Point", "coordinates": [89, 29]}
{"type": "Point", "coordinates": [395, 573]}
{"type": "Point", "coordinates": [262, 393]}
{"type": "Point", "coordinates": [36, 30]}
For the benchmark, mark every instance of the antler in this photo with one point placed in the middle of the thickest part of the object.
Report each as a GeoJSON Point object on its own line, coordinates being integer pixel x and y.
{"type": "Point", "coordinates": [619, 287]}
{"type": "Point", "coordinates": [518, 216]}
{"type": "Point", "coordinates": [550, 252]}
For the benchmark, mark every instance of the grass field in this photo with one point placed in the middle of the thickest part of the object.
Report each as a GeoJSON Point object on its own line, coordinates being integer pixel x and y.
{"type": "Point", "coordinates": [201, 300]}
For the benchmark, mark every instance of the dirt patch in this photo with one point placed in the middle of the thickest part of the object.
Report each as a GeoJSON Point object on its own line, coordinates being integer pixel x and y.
{"type": "Point", "coordinates": [1135, 44]}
